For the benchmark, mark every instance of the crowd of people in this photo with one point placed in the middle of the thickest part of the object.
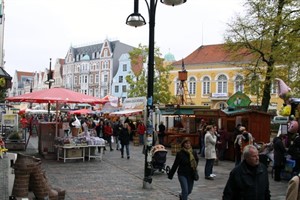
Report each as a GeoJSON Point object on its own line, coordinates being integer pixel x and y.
{"type": "Point", "coordinates": [249, 178]}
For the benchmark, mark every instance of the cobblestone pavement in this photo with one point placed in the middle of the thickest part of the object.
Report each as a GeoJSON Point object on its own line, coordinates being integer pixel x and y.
{"type": "Point", "coordinates": [116, 178]}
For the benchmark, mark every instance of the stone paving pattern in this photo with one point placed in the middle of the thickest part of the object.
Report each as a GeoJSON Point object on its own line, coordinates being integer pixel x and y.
{"type": "Point", "coordinates": [116, 178]}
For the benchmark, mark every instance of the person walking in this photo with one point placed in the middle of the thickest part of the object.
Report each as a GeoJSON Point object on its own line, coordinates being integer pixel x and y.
{"type": "Point", "coordinates": [161, 133]}
{"type": "Point", "coordinates": [124, 138]}
{"type": "Point", "coordinates": [249, 180]}
{"type": "Point", "coordinates": [99, 129]}
{"type": "Point", "coordinates": [237, 148]}
{"type": "Point", "coordinates": [210, 141]}
{"type": "Point", "coordinates": [108, 132]}
{"type": "Point", "coordinates": [279, 156]}
{"type": "Point", "coordinates": [201, 131]}
{"type": "Point", "coordinates": [117, 127]}
{"type": "Point", "coordinates": [185, 164]}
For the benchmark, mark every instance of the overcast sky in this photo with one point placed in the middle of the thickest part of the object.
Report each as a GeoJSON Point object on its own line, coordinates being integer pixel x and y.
{"type": "Point", "coordinates": [36, 30]}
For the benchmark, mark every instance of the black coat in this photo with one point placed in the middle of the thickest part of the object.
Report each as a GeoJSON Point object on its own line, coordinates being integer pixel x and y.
{"type": "Point", "coordinates": [124, 136]}
{"type": "Point", "coordinates": [279, 152]}
{"type": "Point", "coordinates": [246, 184]}
{"type": "Point", "coordinates": [182, 162]}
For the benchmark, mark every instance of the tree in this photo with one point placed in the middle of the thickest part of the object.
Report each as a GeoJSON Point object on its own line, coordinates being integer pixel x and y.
{"type": "Point", "coordinates": [137, 80]}
{"type": "Point", "coordinates": [268, 34]}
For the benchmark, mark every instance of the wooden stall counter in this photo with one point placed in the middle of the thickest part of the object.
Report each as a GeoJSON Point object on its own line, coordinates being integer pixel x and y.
{"type": "Point", "coordinates": [176, 138]}
{"type": "Point", "coordinates": [70, 152]}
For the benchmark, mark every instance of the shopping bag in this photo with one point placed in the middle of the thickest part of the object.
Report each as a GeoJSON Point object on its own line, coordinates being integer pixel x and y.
{"type": "Point", "coordinates": [112, 139]}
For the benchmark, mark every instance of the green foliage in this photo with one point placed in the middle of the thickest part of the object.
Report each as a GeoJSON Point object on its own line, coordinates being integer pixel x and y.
{"type": "Point", "coordinates": [267, 37]}
{"type": "Point", "coordinates": [137, 80]}
{"type": "Point", "coordinates": [2, 95]}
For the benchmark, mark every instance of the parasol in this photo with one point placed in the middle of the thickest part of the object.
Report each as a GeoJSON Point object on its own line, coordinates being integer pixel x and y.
{"type": "Point", "coordinates": [55, 95]}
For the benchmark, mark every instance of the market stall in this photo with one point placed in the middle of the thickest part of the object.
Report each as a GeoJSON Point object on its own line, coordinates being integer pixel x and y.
{"type": "Point", "coordinates": [70, 148]}
{"type": "Point", "coordinates": [56, 96]}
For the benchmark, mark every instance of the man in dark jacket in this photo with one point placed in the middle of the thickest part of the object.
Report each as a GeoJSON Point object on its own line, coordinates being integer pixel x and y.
{"type": "Point", "coordinates": [249, 180]}
{"type": "Point", "coordinates": [279, 156]}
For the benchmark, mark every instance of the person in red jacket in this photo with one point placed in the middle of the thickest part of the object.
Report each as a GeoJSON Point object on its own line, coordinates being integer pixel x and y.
{"type": "Point", "coordinates": [24, 125]}
{"type": "Point", "coordinates": [141, 130]}
{"type": "Point", "coordinates": [108, 132]}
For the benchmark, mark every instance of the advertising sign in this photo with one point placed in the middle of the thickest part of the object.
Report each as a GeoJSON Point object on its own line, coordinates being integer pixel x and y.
{"type": "Point", "coordinates": [9, 120]}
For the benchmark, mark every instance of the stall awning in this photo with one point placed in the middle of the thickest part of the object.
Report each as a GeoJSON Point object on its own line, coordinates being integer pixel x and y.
{"type": "Point", "coordinates": [127, 112]}
{"type": "Point", "coordinates": [184, 112]}
{"type": "Point", "coordinates": [178, 112]}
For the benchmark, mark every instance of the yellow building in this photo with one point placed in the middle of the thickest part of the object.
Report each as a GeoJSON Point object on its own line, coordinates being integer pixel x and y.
{"type": "Point", "coordinates": [212, 77]}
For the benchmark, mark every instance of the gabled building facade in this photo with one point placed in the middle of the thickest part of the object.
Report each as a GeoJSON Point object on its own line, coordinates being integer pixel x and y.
{"type": "Point", "coordinates": [213, 77]}
{"type": "Point", "coordinates": [119, 84]}
{"type": "Point", "coordinates": [90, 69]}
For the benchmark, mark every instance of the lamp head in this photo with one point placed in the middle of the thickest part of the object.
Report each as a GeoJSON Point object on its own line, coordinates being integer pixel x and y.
{"type": "Point", "coordinates": [173, 2]}
{"type": "Point", "coordinates": [135, 19]}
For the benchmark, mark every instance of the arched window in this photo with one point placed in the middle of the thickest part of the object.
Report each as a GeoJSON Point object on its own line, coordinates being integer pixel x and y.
{"type": "Point", "coordinates": [222, 84]}
{"type": "Point", "coordinates": [192, 86]}
{"type": "Point", "coordinates": [206, 85]}
{"type": "Point", "coordinates": [238, 84]}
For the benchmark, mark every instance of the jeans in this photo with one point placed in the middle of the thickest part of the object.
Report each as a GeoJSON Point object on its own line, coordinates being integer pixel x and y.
{"type": "Point", "coordinates": [127, 149]}
{"type": "Point", "coordinates": [186, 184]}
{"type": "Point", "coordinates": [209, 167]}
{"type": "Point", "coordinates": [141, 136]}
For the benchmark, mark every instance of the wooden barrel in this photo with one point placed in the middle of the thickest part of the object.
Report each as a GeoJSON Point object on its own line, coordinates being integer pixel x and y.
{"type": "Point", "coordinates": [175, 148]}
{"type": "Point", "coordinates": [136, 141]}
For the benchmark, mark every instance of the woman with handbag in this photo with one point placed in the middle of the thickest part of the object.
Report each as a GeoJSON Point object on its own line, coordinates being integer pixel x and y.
{"type": "Point", "coordinates": [186, 162]}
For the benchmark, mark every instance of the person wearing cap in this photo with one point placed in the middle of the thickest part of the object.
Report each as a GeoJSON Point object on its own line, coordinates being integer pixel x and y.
{"type": "Point", "coordinates": [249, 180]}
{"type": "Point", "coordinates": [185, 164]}
{"type": "Point", "coordinates": [279, 156]}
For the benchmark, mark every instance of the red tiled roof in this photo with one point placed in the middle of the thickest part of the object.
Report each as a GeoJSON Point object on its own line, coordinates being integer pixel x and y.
{"type": "Point", "coordinates": [215, 53]}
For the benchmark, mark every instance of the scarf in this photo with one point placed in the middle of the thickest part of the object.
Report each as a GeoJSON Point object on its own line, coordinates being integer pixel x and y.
{"type": "Point", "coordinates": [192, 158]}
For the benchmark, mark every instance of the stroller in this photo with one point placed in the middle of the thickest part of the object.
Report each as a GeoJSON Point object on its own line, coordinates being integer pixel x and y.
{"type": "Point", "coordinates": [159, 157]}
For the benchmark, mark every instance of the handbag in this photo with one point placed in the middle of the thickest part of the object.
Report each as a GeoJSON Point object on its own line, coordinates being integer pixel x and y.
{"type": "Point", "coordinates": [196, 175]}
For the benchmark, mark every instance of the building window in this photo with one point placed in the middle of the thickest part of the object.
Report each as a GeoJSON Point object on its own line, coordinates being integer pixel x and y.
{"type": "Point", "coordinates": [192, 86]}
{"type": "Point", "coordinates": [274, 88]}
{"type": "Point", "coordinates": [105, 78]}
{"type": "Point", "coordinates": [116, 89]}
{"type": "Point", "coordinates": [96, 93]}
{"type": "Point", "coordinates": [206, 86]}
{"type": "Point", "coordinates": [91, 92]}
{"type": "Point", "coordinates": [105, 53]}
{"type": "Point", "coordinates": [97, 78]}
{"type": "Point", "coordinates": [85, 79]}
{"type": "Point", "coordinates": [105, 64]}
{"type": "Point", "coordinates": [105, 92]}
{"type": "Point", "coordinates": [124, 88]}
{"type": "Point", "coordinates": [91, 78]}
{"type": "Point", "coordinates": [222, 84]}
{"type": "Point", "coordinates": [124, 68]}
{"type": "Point", "coordinates": [238, 84]}
{"type": "Point", "coordinates": [120, 79]}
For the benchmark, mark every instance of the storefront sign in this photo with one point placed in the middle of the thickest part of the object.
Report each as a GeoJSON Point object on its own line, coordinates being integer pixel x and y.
{"type": "Point", "coordinates": [9, 120]}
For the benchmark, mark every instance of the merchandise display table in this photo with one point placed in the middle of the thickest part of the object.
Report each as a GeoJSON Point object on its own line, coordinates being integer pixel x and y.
{"type": "Point", "coordinates": [67, 152]}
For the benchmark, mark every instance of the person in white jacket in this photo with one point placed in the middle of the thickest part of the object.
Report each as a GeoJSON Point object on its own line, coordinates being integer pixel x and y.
{"type": "Point", "coordinates": [210, 141]}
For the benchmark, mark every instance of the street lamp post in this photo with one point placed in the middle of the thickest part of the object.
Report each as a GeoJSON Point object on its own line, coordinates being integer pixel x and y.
{"type": "Point", "coordinates": [136, 19]}
{"type": "Point", "coordinates": [49, 82]}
